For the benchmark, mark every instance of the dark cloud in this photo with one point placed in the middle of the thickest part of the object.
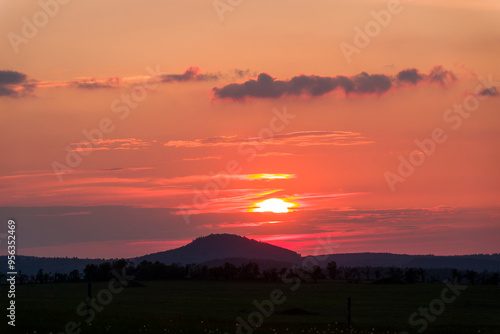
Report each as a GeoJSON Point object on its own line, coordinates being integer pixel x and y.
{"type": "Point", "coordinates": [8, 80]}
{"type": "Point", "coordinates": [313, 85]}
{"type": "Point", "coordinates": [374, 83]}
{"type": "Point", "coordinates": [268, 87]}
{"type": "Point", "coordinates": [11, 77]}
{"type": "Point", "coordinates": [492, 91]}
{"type": "Point", "coordinates": [193, 73]}
{"type": "Point", "coordinates": [441, 76]}
{"type": "Point", "coordinates": [4, 91]}
{"type": "Point", "coordinates": [410, 75]}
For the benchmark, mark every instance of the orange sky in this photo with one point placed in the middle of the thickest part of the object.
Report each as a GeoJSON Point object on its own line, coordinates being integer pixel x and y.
{"type": "Point", "coordinates": [131, 127]}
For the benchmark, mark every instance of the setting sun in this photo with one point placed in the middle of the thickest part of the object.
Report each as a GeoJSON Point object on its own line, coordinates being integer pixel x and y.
{"type": "Point", "coordinates": [275, 205]}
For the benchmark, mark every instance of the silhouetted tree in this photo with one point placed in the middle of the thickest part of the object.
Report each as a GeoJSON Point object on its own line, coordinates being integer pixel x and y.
{"type": "Point", "coordinates": [60, 278]}
{"type": "Point", "coordinates": [22, 278]}
{"type": "Point", "coordinates": [271, 275]}
{"type": "Point", "coordinates": [367, 270]}
{"type": "Point", "coordinates": [104, 272]}
{"type": "Point", "coordinates": [39, 276]}
{"type": "Point", "coordinates": [355, 275]}
{"type": "Point", "coordinates": [317, 273]}
{"type": "Point", "coordinates": [230, 271]}
{"type": "Point", "coordinates": [74, 276]}
{"type": "Point", "coordinates": [198, 272]}
{"type": "Point", "coordinates": [118, 265]}
{"type": "Point", "coordinates": [302, 273]}
{"type": "Point", "coordinates": [175, 271]}
{"type": "Point", "coordinates": [144, 270]}
{"type": "Point", "coordinates": [471, 276]}
{"type": "Point", "coordinates": [422, 274]}
{"type": "Point", "coordinates": [249, 271]}
{"type": "Point", "coordinates": [332, 269]}
{"type": "Point", "coordinates": [216, 273]}
{"type": "Point", "coordinates": [282, 272]}
{"type": "Point", "coordinates": [411, 275]}
{"type": "Point", "coordinates": [456, 274]}
{"type": "Point", "coordinates": [396, 273]}
{"type": "Point", "coordinates": [494, 279]}
{"type": "Point", "coordinates": [90, 272]}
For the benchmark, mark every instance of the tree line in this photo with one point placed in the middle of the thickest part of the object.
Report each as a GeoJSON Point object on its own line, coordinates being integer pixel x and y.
{"type": "Point", "coordinates": [147, 270]}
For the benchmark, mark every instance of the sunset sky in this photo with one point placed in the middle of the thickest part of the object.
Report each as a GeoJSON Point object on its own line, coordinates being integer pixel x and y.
{"type": "Point", "coordinates": [131, 127]}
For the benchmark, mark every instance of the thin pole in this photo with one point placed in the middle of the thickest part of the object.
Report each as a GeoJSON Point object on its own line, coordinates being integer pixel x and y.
{"type": "Point", "coordinates": [89, 297]}
{"type": "Point", "coordinates": [348, 311]}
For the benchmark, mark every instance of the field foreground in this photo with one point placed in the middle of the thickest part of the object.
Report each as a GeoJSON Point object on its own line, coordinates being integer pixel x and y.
{"type": "Point", "coordinates": [214, 307]}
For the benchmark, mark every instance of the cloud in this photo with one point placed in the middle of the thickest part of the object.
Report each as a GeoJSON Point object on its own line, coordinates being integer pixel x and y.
{"type": "Point", "coordinates": [441, 76]}
{"type": "Point", "coordinates": [193, 73]}
{"type": "Point", "coordinates": [299, 138]}
{"type": "Point", "coordinates": [64, 214]}
{"type": "Point", "coordinates": [11, 77]}
{"type": "Point", "coordinates": [111, 144]}
{"type": "Point", "coordinates": [13, 83]}
{"type": "Point", "coordinates": [213, 157]}
{"type": "Point", "coordinates": [273, 154]}
{"type": "Point", "coordinates": [122, 169]}
{"type": "Point", "coordinates": [265, 86]}
{"type": "Point", "coordinates": [492, 91]}
{"type": "Point", "coordinates": [203, 178]}
{"type": "Point", "coordinates": [243, 73]}
{"type": "Point", "coordinates": [410, 75]}
{"type": "Point", "coordinates": [93, 83]}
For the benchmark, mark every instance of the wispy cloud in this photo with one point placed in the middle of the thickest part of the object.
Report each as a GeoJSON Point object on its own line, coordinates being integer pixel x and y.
{"type": "Point", "coordinates": [93, 83]}
{"type": "Point", "coordinates": [213, 157]}
{"type": "Point", "coordinates": [15, 84]}
{"type": "Point", "coordinates": [193, 73]}
{"type": "Point", "coordinates": [112, 144]}
{"type": "Point", "coordinates": [274, 154]}
{"type": "Point", "coordinates": [300, 138]}
{"type": "Point", "coordinates": [191, 179]}
{"type": "Point", "coordinates": [65, 214]}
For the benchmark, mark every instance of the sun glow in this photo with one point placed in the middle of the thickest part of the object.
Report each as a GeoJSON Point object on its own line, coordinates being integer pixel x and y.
{"type": "Point", "coordinates": [275, 205]}
{"type": "Point", "coordinates": [267, 176]}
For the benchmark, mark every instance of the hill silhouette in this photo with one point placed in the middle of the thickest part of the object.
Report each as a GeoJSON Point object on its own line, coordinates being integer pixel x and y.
{"type": "Point", "coordinates": [222, 246]}
{"type": "Point", "coordinates": [216, 249]}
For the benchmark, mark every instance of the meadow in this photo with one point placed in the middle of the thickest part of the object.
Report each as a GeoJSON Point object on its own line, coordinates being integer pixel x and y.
{"type": "Point", "coordinates": [214, 306]}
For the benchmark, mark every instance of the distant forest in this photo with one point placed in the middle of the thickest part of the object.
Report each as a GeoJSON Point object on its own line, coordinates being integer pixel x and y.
{"type": "Point", "coordinates": [147, 270]}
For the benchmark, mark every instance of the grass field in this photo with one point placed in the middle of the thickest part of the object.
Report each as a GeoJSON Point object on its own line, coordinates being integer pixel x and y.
{"type": "Point", "coordinates": [213, 307]}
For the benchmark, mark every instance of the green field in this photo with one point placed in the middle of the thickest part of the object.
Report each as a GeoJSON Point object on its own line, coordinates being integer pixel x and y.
{"type": "Point", "coordinates": [213, 307]}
